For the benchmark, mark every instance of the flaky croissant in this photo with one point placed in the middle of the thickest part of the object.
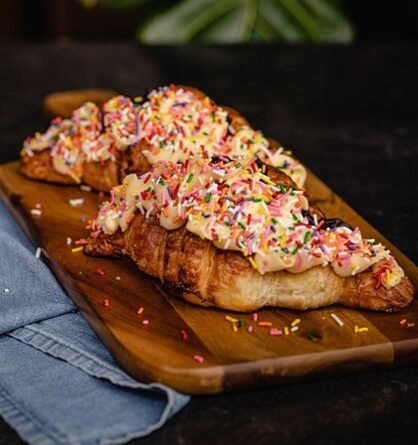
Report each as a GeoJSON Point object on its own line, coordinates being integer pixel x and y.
{"type": "Point", "coordinates": [202, 274]}
{"type": "Point", "coordinates": [202, 246]}
{"type": "Point", "coordinates": [104, 174]}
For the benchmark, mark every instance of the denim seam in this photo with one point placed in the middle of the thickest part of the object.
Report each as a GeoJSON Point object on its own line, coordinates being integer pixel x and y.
{"type": "Point", "coordinates": [119, 377]}
{"type": "Point", "coordinates": [28, 427]}
{"type": "Point", "coordinates": [165, 414]}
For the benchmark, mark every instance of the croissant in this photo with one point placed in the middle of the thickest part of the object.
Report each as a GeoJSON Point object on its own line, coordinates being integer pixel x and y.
{"type": "Point", "coordinates": [195, 263]}
{"type": "Point", "coordinates": [99, 148]}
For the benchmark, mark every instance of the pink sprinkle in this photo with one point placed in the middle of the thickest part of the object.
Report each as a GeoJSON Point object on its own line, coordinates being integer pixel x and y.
{"type": "Point", "coordinates": [255, 317]}
{"type": "Point", "coordinates": [38, 205]}
{"type": "Point", "coordinates": [145, 322]}
{"type": "Point", "coordinates": [184, 335]}
{"type": "Point", "coordinates": [100, 272]}
{"type": "Point", "coordinates": [140, 310]}
{"type": "Point", "coordinates": [265, 324]}
{"type": "Point", "coordinates": [250, 329]}
{"type": "Point", "coordinates": [198, 358]}
{"type": "Point", "coordinates": [106, 302]}
{"type": "Point", "coordinates": [275, 331]}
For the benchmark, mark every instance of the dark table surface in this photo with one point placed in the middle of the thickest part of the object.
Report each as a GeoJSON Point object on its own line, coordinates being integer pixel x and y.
{"type": "Point", "coordinates": [351, 115]}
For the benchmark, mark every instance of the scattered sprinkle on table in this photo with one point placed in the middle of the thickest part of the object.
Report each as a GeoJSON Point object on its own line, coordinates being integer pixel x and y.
{"type": "Point", "coordinates": [234, 322]}
{"type": "Point", "coordinates": [77, 249]}
{"type": "Point", "coordinates": [286, 330]}
{"type": "Point", "coordinates": [80, 242]}
{"type": "Point", "coordinates": [140, 310]}
{"type": "Point", "coordinates": [38, 205]}
{"type": "Point", "coordinates": [265, 324]}
{"type": "Point", "coordinates": [85, 188]}
{"type": "Point", "coordinates": [294, 328]}
{"type": "Point", "coordinates": [36, 212]}
{"type": "Point", "coordinates": [76, 202]}
{"type": "Point", "coordinates": [255, 317]}
{"type": "Point", "coordinates": [100, 272]}
{"type": "Point", "coordinates": [145, 322]}
{"type": "Point", "coordinates": [184, 335]}
{"type": "Point", "coordinates": [337, 319]}
{"type": "Point", "coordinates": [198, 358]}
{"type": "Point", "coordinates": [117, 278]}
{"type": "Point", "coordinates": [358, 329]}
{"type": "Point", "coordinates": [275, 332]}
{"type": "Point", "coordinates": [404, 322]}
{"type": "Point", "coordinates": [69, 241]}
{"type": "Point", "coordinates": [6, 290]}
{"type": "Point", "coordinates": [106, 302]}
{"type": "Point", "coordinates": [38, 252]}
{"type": "Point", "coordinates": [295, 322]}
{"type": "Point", "coordinates": [250, 329]}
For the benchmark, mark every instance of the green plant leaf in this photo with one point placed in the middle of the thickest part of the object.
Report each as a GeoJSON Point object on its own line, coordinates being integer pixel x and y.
{"type": "Point", "coordinates": [233, 21]}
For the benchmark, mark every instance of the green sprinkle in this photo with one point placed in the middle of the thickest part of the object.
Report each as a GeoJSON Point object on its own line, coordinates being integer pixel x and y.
{"type": "Point", "coordinates": [241, 322]}
{"type": "Point", "coordinates": [238, 165]}
{"type": "Point", "coordinates": [257, 199]}
{"type": "Point", "coordinates": [295, 250]}
{"type": "Point", "coordinates": [282, 188]}
{"type": "Point", "coordinates": [161, 144]}
{"type": "Point", "coordinates": [307, 236]}
{"type": "Point", "coordinates": [208, 196]}
{"type": "Point", "coordinates": [226, 223]}
{"type": "Point", "coordinates": [274, 220]}
{"type": "Point", "coordinates": [212, 115]}
{"type": "Point", "coordinates": [241, 225]}
{"type": "Point", "coordinates": [148, 189]}
{"type": "Point", "coordinates": [285, 250]}
{"type": "Point", "coordinates": [291, 227]}
{"type": "Point", "coordinates": [295, 218]}
{"type": "Point", "coordinates": [161, 181]}
{"type": "Point", "coordinates": [189, 179]}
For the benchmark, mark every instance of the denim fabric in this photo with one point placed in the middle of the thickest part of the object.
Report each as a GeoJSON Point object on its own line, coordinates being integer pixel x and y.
{"type": "Point", "coordinates": [58, 384]}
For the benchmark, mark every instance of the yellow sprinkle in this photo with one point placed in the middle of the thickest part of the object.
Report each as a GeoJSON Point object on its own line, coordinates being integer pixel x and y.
{"type": "Point", "coordinates": [77, 249]}
{"type": "Point", "coordinates": [286, 330]}
{"type": "Point", "coordinates": [232, 320]}
{"type": "Point", "coordinates": [253, 263]}
{"type": "Point", "coordinates": [295, 322]}
{"type": "Point", "coordinates": [234, 327]}
{"type": "Point", "coordinates": [363, 329]}
{"type": "Point", "coordinates": [76, 179]}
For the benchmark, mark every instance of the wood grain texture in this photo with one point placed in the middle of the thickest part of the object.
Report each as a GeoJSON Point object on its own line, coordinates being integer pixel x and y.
{"type": "Point", "coordinates": [232, 360]}
{"type": "Point", "coordinates": [63, 103]}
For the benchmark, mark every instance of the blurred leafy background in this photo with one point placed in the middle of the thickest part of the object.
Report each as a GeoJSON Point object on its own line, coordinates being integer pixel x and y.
{"type": "Point", "coordinates": [235, 21]}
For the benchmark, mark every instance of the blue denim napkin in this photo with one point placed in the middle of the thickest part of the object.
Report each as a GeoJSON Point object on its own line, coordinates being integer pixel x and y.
{"type": "Point", "coordinates": [58, 384]}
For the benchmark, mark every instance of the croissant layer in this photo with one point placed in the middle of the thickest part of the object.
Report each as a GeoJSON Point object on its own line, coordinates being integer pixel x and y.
{"type": "Point", "coordinates": [205, 275]}
{"type": "Point", "coordinates": [105, 175]}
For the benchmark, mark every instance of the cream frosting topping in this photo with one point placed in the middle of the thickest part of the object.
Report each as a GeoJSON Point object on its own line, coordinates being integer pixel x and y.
{"type": "Point", "coordinates": [237, 207]}
{"type": "Point", "coordinates": [175, 122]}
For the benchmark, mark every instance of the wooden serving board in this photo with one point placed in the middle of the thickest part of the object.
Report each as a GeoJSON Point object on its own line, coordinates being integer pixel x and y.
{"type": "Point", "coordinates": [157, 352]}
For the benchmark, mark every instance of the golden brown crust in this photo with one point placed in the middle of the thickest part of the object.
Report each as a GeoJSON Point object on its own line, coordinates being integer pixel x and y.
{"type": "Point", "coordinates": [205, 275]}
{"type": "Point", "coordinates": [39, 166]}
{"type": "Point", "coordinates": [360, 291]}
{"type": "Point", "coordinates": [103, 177]}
